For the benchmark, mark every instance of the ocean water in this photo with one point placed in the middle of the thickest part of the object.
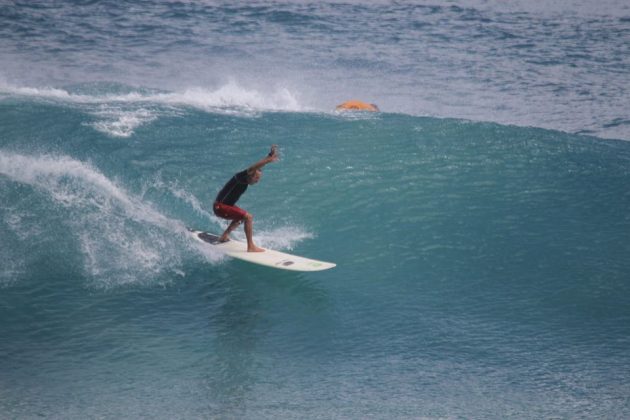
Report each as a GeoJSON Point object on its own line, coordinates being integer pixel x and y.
{"type": "Point", "coordinates": [479, 224]}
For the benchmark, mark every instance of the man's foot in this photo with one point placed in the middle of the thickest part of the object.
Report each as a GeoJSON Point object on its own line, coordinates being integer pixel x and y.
{"type": "Point", "coordinates": [224, 239]}
{"type": "Point", "coordinates": [254, 248]}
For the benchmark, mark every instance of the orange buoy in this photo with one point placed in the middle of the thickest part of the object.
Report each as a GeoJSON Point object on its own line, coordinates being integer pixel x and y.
{"type": "Point", "coordinates": [357, 106]}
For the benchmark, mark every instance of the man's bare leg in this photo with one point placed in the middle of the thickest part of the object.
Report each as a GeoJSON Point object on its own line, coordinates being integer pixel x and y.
{"type": "Point", "coordinates": [249, 233]}
{"type": "Point", "coordinates": [226, 235]}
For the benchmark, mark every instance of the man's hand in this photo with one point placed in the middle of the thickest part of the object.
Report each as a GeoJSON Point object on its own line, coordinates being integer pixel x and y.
{"type": "Point", "coordinates": [271, 157]}
{"type": "Point", "coordinates": [273, 153]}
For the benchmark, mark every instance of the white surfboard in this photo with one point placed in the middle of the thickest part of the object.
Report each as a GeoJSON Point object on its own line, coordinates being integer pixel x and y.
{"type": "Point", "coordinates": [269, 257]}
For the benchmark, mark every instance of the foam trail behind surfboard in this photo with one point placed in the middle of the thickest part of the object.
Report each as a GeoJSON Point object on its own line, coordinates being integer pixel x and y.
{"type": "Point", "coordinates": [268, 258]}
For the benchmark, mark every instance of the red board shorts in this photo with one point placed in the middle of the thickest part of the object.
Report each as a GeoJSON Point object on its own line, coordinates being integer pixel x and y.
{"type": "Point", "coordinates": [228, 212]}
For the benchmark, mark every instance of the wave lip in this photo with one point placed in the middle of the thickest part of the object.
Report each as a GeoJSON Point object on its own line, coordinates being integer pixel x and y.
{"type": "Point", "coordinates": [234, 96]}
{"type": "Point", "coordinates": [120, 113]}
{"type": "Point", "coordinates": [230, 95]}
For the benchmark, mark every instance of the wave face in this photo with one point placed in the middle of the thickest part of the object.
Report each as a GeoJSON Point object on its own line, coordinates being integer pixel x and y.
{"type": "Point", "coordinates": [563, 66]}
{"type": "Point", "coordinates": [482, 268]}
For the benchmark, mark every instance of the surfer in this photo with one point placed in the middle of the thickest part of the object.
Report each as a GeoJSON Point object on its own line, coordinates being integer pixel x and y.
{"type": "Point", "coordinates": [224, 205]}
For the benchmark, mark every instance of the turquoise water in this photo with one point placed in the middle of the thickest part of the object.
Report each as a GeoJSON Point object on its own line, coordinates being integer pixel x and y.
{"type": "Point", "coordinates": [482, 268]}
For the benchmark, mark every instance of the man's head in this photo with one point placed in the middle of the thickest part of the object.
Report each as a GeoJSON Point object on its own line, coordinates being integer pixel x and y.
{"type": "Point", "coordinates": [254, 177]}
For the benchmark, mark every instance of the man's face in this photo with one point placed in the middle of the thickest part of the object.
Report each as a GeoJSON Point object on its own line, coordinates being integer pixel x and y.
{"type": "Point", "coordinates": [255, 177]}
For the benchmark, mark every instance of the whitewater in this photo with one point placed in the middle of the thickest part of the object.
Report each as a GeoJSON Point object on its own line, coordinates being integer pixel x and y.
{"type": "Point", "coordinates": [479, 222]}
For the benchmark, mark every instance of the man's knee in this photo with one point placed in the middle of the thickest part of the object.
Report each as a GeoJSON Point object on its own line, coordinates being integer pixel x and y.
{"type": "Point", "coordinates": [248, 217]}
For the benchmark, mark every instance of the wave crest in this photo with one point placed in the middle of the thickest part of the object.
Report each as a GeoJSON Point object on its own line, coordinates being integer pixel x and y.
{"type": "Point", "coordinates": [120, 110]}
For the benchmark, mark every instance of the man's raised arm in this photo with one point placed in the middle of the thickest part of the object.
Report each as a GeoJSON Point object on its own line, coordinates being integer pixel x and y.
{"type": "Point", "coordinates": [271, 157]}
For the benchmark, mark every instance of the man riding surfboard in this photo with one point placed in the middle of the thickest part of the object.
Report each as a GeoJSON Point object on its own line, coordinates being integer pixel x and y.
{"type": "Point", "coordinates": [224, 205]}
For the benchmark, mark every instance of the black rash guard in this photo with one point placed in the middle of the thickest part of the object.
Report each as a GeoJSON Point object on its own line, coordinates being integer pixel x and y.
{"type": "Point", "coordinates": [233, 190]}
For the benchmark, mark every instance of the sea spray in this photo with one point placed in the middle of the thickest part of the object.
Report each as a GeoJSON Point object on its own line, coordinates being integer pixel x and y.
{"type": "Point", "coordinates": [123, 239]}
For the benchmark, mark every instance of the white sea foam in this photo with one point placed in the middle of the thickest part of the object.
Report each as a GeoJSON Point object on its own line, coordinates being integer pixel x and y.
{"type": "Point", "coordinates": [179, 192]}
{"type": "Point", "coordinates": [123, 239]}
{"type": "Point", "coordinates": [118, 122]}
{"type": "Point", "coordinates": [231, 95]}
{"type": "Point", "coordinates": [281, 238]}
{"type": "Point", "coordinates": [120, 114]}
